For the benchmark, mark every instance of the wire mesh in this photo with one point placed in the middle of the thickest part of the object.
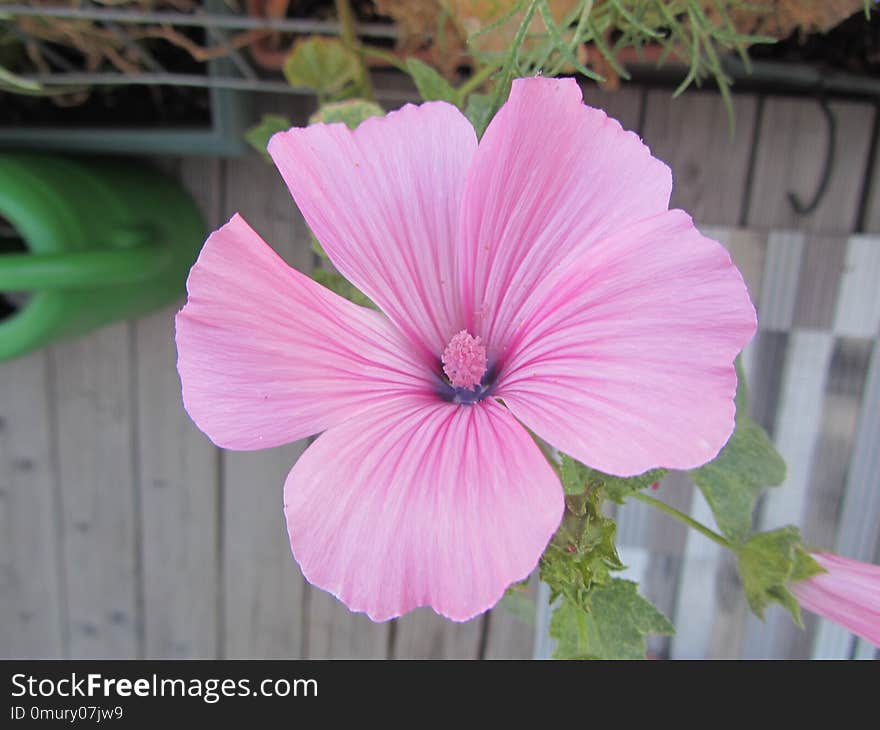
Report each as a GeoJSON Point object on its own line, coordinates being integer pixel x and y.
{"type": "Point", "coordinates": [123, 45]}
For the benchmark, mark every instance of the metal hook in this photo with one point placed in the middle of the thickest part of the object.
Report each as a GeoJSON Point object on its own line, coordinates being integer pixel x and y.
{"type": "Point", "coordinates": [827, 168]}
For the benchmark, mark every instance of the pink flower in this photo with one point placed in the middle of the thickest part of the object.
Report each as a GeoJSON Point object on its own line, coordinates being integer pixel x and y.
{"type": "Point", "coordinates": [848, 594]}
{"type": "Point", "coordinates": [535, 280]}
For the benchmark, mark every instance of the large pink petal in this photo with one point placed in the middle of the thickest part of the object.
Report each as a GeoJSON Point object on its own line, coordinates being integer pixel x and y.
{"type": "Point", "coordinates": [422, 503]}
{"type": "Point", "coordinates": [627, 362]}
{"type": "Point", "coordinates": [384, 202]}
{"type": "Point", "coordinates": [551, 177]}
{"type": "Point", "coordinates": [267, 356]}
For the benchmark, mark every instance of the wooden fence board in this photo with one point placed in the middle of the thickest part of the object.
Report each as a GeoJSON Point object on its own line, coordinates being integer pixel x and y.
{"type": "Point", "coordinates": [32, 596]}
{"type": "Point", "coordinates": [178, 478]}
{"type": "Point", "coordinates": [100, 518]}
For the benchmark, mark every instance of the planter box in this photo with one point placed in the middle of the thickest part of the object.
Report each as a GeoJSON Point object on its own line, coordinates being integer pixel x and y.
{"type": "Point", "coordinates": [223, 135]}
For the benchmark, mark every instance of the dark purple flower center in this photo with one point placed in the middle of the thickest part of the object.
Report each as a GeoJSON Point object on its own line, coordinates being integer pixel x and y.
{"type": "Point", "coordinates": [465, 365]}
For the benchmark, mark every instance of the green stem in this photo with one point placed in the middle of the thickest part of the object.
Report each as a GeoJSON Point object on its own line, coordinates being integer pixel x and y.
{"type": "Point", "coordinates": [681, 516]}
{"type": "Point", "coordinates": [383, 55]}
{"type": "Point", "coordinates": [348, 35]}
{"type": "Point", "coordinates": [477, 80]}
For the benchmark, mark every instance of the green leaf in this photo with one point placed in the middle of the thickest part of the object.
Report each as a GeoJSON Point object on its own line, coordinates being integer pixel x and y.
{"type": "Point", "coordinates": [341, 286]}
{"type": "Point", "coordinates": [576, 478]}
{"type": "Point", "coordinates": [259, 135]}
{"type": "Point", "coordinates": [582, 552]}
{"type": "Point", "coordinates": [334, 281]}
{"type": "Point", "coordinates": [479, 111]}
{"type": "Point", "coordinates": [431, 85]}
{"type": "Point", "coordinates": [613, 624]}
{"type": "Point", "coordinates": [732, 482]}
{"type": "Point", "coordinates": [317, 248]}
{"type": "Point", "coordinates": [323, 65]}
{"type": "Point", "coordinates": [17, 84]}
{"type": "Point", "coordinates": [350, 112]}
{"type": "Point", "coordinates": [574, 475]}
{"type": "Point", "coordinates": [741, 400]}
{"type": "Point", "coordinates": [768, 562]}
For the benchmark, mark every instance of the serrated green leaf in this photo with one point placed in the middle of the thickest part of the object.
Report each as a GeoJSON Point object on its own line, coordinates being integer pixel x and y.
{"type": "Point", "coordinates": [577, 477]}
{"type": "Point", "coordinates": [768, 562]}
{"type": "Point", "coordinates": [731, 483]}
{"type": "Point", "coordinates": [431, 85]}
{"type": "Point", "coordinates": [350, 112]}
{"type": "Point", "coordinates": [573, 474]}
{"type": "Point", "coordinates": [479, 111]}
{"type": "Point", "coordinates": [259, 135]}
{"type": "Point", "coordinates": [321, 64]}
{"type": "Point", "coordinates": [613, 624]}
{"type": "Point", "coordinates": [617, 489]}
{"type": "Point", "coordinates": [582, 553]}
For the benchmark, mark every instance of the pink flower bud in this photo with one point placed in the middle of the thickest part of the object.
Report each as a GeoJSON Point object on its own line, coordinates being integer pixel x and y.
{"type": "Point", "coordinates": [848, 594]}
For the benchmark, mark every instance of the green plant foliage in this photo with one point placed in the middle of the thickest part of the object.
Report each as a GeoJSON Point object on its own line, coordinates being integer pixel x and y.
{"type": "Point", "coordinates": [17, 84]}
{"type": "Point", "coordinates": [681, 28]}
{"type": "Point", "coordinates": [259, 135]}
{"type": "Point", "coordinates": [576, 478]}
{"type": "Point", "coordinates": [340, 285]}
{"type": "Point", "coordinates": [582, 552]}
{"type": "Point", "coordinates": [479, 111]}
{"type": "Point", "coordinates": [430, 84]}
{"type": "Point", "coordinates": [327, 276]}
{"type": "Point", "coordinates": [746, 466]}
{"type": "Point", "coordinates": [350, 112]}
{"type": "Point", "coordinates": [732, 483]}
{"type": "Point", "coordinates": [323, 65]}
{"type": "Point", "coordinates": [599, 617]}
{"type": "Point", "coordinates": [768, 562]}
{"type": "Point", "coordinates": [612, 624]}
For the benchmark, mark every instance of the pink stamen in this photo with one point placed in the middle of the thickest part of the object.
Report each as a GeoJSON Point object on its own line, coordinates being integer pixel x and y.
{"type": "Point", "coordinates": [464, 360]}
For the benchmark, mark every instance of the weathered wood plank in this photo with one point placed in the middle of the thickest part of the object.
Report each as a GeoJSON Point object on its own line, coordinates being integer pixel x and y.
{"type": "Point", "coordinates": [32, 598]}
{"type": "Point", "coordinates": [511, 635]}
{"type": "Point", "coordinates": [100, 518]}
{"type": "Point", "coordinates": [264, 611]}
{"type": "Point", "coordinates": [178, 477]}
{"type": "Point", "coordinates": [796, 435]}
{"type": "Point", "coordinates": [265, 604]}
{"type": "Point", "coordinates": [790, 156]}
{"type": "Point", "coordinates": [422, 634]}
{"type": "Point", "coordinates": [709, 160]}
{"type": "Point", "coordinates": [859, 529]}
{"type": "Point", "coordinates": [624, 104]}
{"type": "Point", "coordinates": [337, 633]}
{"type": "Point", "coordinates": [857, 313]}
{"type": "Point", "coordinates": [696, 602]}
{"type": "Point", "coordinates": [789, 127]}
{"type": "Point", "coordinates": [710, 171]}
{"type": "Point", "coordinates": [179, 494]}
{"type": "Point", "coordinates": [785, 254]}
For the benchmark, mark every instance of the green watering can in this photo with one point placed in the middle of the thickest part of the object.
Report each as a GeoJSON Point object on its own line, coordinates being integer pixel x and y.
{"type": "Point", "coordinates": [87, 242]}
